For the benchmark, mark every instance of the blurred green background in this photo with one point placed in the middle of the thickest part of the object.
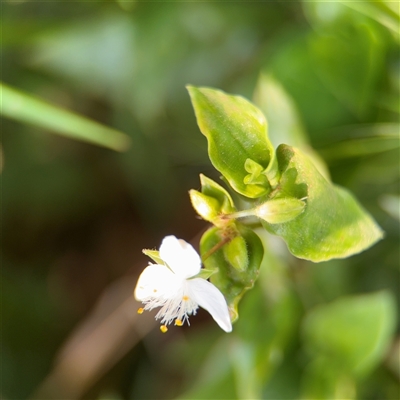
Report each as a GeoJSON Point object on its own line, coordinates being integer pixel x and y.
{"type": "Point", "coordinates": [76, 215]}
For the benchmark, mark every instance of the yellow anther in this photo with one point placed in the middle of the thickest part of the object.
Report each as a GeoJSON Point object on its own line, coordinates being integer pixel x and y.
{"type": "Point", "coordinates": [154, 290]}
{"type": "Point", "coordinates": [186, 298]}
{"type": "Point", "coordinates": [140, 310]}
{"type": "Point", "coordinates": [163, 328]}
{"type": "Point", "coordinates": [178, 322]}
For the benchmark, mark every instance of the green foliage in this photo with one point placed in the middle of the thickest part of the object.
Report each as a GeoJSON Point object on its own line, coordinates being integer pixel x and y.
{"type": "Point", "coordinates": [284, 122]}
{"type": "Point", "coordinates": [236, 131]}
{"type": "Point", "coordinates": [385, 12]}
{"type": "Point", "coordinates": [347, 338]}
{"type": "Point", "coordinates": [333, 224]}
{"type": "Point", "coordinates": [237, 266]}
{"type": "Point", "coordinates": [353, 333]}
{"type": "Point", "coordinates": [317, 220]}
{"type": "Point", "coordinates": [76, 216]}
{"type": "Point", "coordinates": [336, 55]}
{"type": "Point", "coordinates": [364, 141]}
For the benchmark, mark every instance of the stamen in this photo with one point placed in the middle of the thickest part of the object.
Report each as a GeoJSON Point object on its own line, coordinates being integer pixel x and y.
{"type": "Point", "coordinates": [186, 298]}
{"type": "Point", "coordinates": [163, 328]}
{"type": "Point", "coordinates": [178, 322]}
{"type": "Point", "coordinates": [140, 310]}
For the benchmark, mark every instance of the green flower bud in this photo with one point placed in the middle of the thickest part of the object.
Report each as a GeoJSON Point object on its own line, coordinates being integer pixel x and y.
{"type": "Point", "coordinates": [207, 207]}
{"type": "Point", "coordinates": [278, 211]}
{"type": "Point", "coordinates": [235, 252]}
{"type": "Point", "coordinates": [232, 282]}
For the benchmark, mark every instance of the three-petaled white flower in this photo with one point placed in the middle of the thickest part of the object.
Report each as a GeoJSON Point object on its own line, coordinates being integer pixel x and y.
{"type": "Point", "coordinates": [173, 287]}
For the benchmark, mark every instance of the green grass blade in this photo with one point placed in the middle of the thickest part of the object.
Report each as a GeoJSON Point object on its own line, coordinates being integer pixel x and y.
{"type": "Point", "coordinates": [28, 109]}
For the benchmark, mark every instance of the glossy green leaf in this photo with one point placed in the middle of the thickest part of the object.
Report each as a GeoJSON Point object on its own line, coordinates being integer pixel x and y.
{"type": "Point", "coordinates": [28, 109]}
{"type": "Point", "coordinates": [232, 282]}
{"type": "Point", "coordinates": [236, 131]}
{"type": "Point", "coordinates": [333, 224]}
{"type": "Point", "coordinates": [353, 332]}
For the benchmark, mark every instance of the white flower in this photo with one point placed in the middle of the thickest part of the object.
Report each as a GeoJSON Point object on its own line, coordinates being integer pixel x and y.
{"type": "Point", "coordinates": [170, 287]}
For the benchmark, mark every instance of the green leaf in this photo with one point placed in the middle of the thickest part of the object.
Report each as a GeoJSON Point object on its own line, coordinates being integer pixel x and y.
{"type": "Point", "coordinates": [385, 12]}
{"type": "Point", "coordinates": [205, 273]}
{"type": "Point", "coordinates": [269, 323]}
{"type": "Point", "coordinates": [333, 224]}
{"type": "Point", "coordinates": [325, 379]}
{"type": "Point", "coordinates": [236, 131]}
{"type": "Point", "coordinates": [256, 173]}
{"type": "Point", "coordinates": [213, 189]}
{"type": "Point", "coordinates": [365, 140]}
{"type": "Point", "coordinates": [244, 363]}
{"type": "Point", "coordinates": [58, 50]}
{"type": "Point", "coordinates": [349, 60]}
{"type": "Point", "coordinates": [215, 378]}
{"type": "Point", "coordinates": [232, 282]}
{"type": "Point", "coordinates": [391, 204]}
{"type": "Point", "coordinates": [284, 122]}
{"type": "Point", "coordinates": [353, 332]}
{"type": "Point", "coordinates": [28, 109]}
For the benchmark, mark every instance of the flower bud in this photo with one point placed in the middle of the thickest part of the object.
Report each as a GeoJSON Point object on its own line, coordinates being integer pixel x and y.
{"type": "Point", "coordinates": [235, 252]}
{"type": "Point", "coordinates": [278, 211]}
{"type": "Point", "coordinates": [207, 207]}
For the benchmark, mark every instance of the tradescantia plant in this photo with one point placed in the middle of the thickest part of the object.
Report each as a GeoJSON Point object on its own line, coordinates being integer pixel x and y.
{"type": "Point", "coordinates": [279, 190]}
{"type": "Point", "coordinates": [282, 192]}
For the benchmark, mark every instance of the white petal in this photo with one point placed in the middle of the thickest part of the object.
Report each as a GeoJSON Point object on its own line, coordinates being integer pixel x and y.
{"type": "Point", "coordinates": [156, 281]}
{"type": "Point", "coordinates": [207, 296]}
{"type": "Point", "coordinates": [180, 256]}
